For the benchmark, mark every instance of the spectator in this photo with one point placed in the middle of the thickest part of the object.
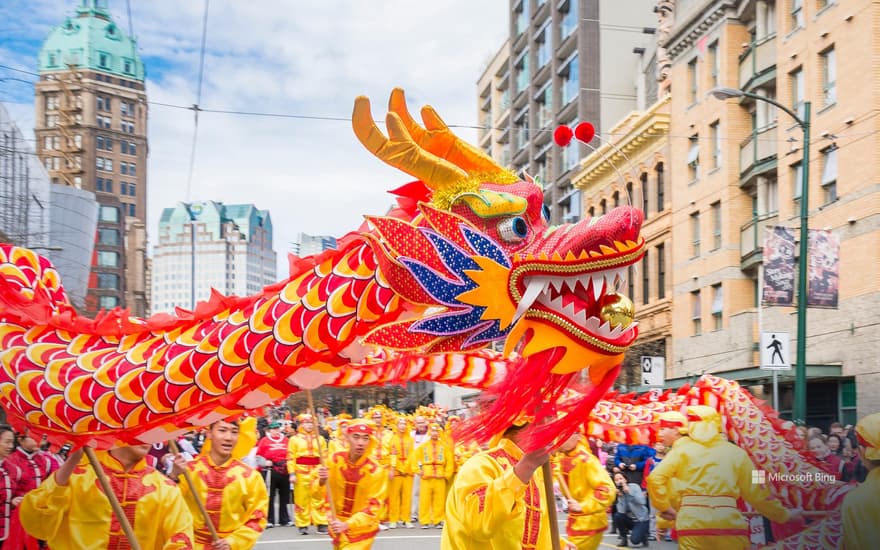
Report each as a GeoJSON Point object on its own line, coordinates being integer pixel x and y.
{"type": "Point", "coordinates": [860, 512]}
{"type": "Point", "coordinates": [272, 448]}
{"type": "Point", "coordinates": [835, 444]}
{"type": "Point", "coordinates": [631, 514]}
{"type": "Point", "coordinates": [827, 460]}
{"type": "Point", "coordinates": [853, 469]}
{"type": "Point", "coordinates": [836, 429]}
{"type": "Point", "coordinates": [631, 460]}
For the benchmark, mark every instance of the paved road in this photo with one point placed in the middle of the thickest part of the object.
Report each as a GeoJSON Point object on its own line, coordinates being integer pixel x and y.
{"type": "Point", "coordinates": [287, 538]}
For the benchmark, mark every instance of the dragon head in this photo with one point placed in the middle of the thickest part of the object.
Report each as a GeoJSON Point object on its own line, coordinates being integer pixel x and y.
{"type": "Point", "coordinates": [476, 256]}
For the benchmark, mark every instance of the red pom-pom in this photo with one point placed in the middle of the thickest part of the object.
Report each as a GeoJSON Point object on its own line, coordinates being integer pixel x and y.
{"type": "Point", "coordinates": [562, 136]}
{"type": "Point", "coordinates": [584, 132]}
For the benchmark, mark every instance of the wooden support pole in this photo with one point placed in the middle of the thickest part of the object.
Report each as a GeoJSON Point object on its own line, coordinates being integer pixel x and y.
{"type": "Point", "coordinates": [192, 491]}
{"type": "Point", "coordinates": [111, 496]}
{"type": "Point", "coordinates": [550, 498]}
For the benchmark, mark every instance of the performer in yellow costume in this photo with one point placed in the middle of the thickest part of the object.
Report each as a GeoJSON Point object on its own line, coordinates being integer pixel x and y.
{"type": "Point", "coordinates": [233, 493]}
{"type": "Point", "coordinates": [672, 432]}
{"type": "Point", "coordinates": [70, 511]}
{"type": "Point", "coordinates": [590, 489]}
{"type": "Point", "coordinates": [435, 462]}
{"type": "Point", "coordinates": [380, 457]}
{"type": "Point", "coordinates": [710, 474]}
{"type": "Point", "coordinates": [400, 450]}
{"type": "Point", "coordinates": [861, 506]}
{"type": "Point", "coordinates": [337, 439]}
{"type": "Point", "coordinates": [303, 458]}
{"type": "Point", "coordinates": [497, 501]}
{"type": "Point", "coordinates": [358, 486]}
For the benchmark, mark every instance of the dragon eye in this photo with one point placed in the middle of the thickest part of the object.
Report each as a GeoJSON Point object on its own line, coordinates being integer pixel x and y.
{"type": "Point", "coordinates": [545, 211]}
{"type": "Point", "coordinates": [513, 230]}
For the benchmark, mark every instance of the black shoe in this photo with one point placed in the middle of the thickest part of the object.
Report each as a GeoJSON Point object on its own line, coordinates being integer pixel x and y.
{"type": "Point", "coordinates": [322, 529]}
{"type": "Point", "coordinates": [622, 542]}
{"type": "Point", "coordinates": [303, 530]}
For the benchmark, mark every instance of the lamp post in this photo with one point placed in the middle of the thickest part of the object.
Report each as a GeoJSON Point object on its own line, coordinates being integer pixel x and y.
{"type": "Point", "coordinates": [799, 413]}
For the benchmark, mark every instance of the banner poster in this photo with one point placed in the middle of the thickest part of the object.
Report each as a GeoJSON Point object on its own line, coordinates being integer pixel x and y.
{"type": "Point", "coordinates": [778, 284]}
{"type": "Point", "coordinates": [824, 273]}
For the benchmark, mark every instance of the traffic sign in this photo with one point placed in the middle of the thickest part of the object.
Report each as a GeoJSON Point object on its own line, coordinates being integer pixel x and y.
{"type": "Point", "coordinates": [775, 351]}
{"type": "Point", "coordinates": [653, 370]}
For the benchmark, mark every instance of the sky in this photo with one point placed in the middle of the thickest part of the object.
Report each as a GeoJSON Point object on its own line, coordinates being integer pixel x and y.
{"type": "Point", "coordinates": [304, 57]}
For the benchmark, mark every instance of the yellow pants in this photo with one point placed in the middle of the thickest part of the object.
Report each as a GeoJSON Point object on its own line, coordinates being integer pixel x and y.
{"type": "Point", "coordinates": [432, 500]}
{"type": "Point", "coordinates": [309, 505]}
{"type": "Point", "coordinates": [399, 498]}
{"type": "Point", "coordinates": [714, 542]}
{"type": "Point", "coordinates": [587, 543]}
{"type": "Point", "coordinates": [359, 545]}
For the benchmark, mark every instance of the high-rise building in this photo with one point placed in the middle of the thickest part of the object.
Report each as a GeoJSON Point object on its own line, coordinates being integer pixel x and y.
{"type": "Point", "coordinates": [91, 130]}
{"type": "Point", "coordinates": [312, 244]}
{"type": "Point", "coordinates": [569, 61]}
{"type": "Point", "coordinates": [736, 167]}
{"type": "Point", "coordinates": [205, 245]}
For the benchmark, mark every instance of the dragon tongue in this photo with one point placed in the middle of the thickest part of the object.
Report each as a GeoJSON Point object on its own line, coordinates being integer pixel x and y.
{"type": "Point", "coordinates": [537, 285]}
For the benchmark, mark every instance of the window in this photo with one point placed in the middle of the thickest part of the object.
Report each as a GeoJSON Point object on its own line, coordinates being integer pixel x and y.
{"type": "Point", "coordinates": [108, 302]}
{"type": "Point", "coordinates": [693, 158]}
{"type": "Point", "coordinates": [797, 91]}
{"type": "Point", "coordinates": [108, 237]}
{"type": "Point", "coordinates": [692, 81]}
{"type": "Point", "coordinates": [108, 281]}
{"type": "Point", "coordinates": [772, 195]}
{"type": "Point", "coordinates": [108, 258]}
{"type": "Point", "coordinates": [544, 98]}
{"type": "Point", "coordinates": [53, 59]}
{"type": "Point", "coordinates": [695, 234]}
{"type": "Point", "coordinates": [629, 193]}
{"type": "Point", "coordinates": [131, 209]}
{"type": "Point", "coordinates": [829, 174]}
{"type": "Point", "coordinates": [797, 176]}
{"type": "Point", "coordinates": [51, 102]}
{"type": "Point", "coordinates": [572, 153]}
{"type": "Point", "coordinates": [716, 144]}
{"type": "Point", "coordinates": [829, 77]}
{"type": "Point", "coordinates": [123, 168]}
{"type": "Point", "coordinates": [103, 121]}
{"type": "Point", "coordinates": [570, 80]}
{"type": "Point", "coordinates": [521, 70]}
{"type": "Point", "coordinates": [520, 130]}
{"type": "Point", "coordinates": [569, 18]}
{"type": "Point", "coordinates": [126, 108]}
{"type": "Point", "coordinates": [661, 190]}
{"type": "Point", "coordinates": [127, 127]}
{"type": "Point", "coordinates": [127, 66]}
{"type": "Point", "coordinates": [51, 121]}
{"type": "Point", "coordinates": [521, 12]}
{"type": "Point", "coordinates": [646, 279]}
{"type": "Point", "coordinates": [696, 313]}
{"type": "Point", "coordinates": [603, 206]}
{"type": "Point", "coordinates": [716, 225]}
{"type": "Point", "coordinates": [714, 63]}
{"type": "Point", "coordinates": [717, 306]}
{"type": "Point", "coordinates": [643, 179]}
{"type": "Point", "coordinates": [615, 199]}
{"type": "Point", "coordinates": [104, 60]}
{"type": "Point", "coordinates": [797, 14]}
{"type": "Point", "coordinates": [103, 103]}
{"type": "Point", "coordinates": [542, 39]}
{"type": "Point", "coordinates": [109, 214]}
{"type": "Point", "coordinates": [591, 211]}
{"type": "Point", "coordinates": [661, 271]}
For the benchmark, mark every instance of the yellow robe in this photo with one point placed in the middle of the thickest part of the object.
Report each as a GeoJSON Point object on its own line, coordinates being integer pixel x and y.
{"type": "Point", "coordinates": [590, 485]}
{"type": "Point", "coordinates": [399, 448]}
{"type": "Point", "coordinates": [710, 477]}
{"type": "Point", "coordinates": [490, 508]}
{"type": "Point", "coordinates": [78, 516]}
{"type": "Point", "coordinates": [358, 490]}
{"type": "Point", "coordinates": [303, 459]}
{"type": "Point", "coordinates": [861, 514]}
{"type": "Point", "coordinates": [234, 494]}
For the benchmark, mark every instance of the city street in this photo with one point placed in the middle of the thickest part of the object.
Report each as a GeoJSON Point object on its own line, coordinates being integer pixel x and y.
{"type": "Point", "coordinates": [398, 539]}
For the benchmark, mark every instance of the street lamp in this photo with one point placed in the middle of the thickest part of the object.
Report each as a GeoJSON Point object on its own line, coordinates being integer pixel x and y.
{"type": "Point", "coordinates": [799, 413]}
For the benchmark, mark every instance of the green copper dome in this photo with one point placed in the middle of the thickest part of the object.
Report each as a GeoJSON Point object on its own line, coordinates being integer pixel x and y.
{"type": "Point", "coordinates": [91, 40]}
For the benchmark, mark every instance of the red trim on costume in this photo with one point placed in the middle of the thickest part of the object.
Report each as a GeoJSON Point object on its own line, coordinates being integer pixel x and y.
{"type": "Point", "coordinates": [671, 423]}
{"type": "Point", "coordinates": [481, 494]}
{"type": "Point", "coordinates": [308, 460]}
{"type": "Point", "coordinates": [572, 532]}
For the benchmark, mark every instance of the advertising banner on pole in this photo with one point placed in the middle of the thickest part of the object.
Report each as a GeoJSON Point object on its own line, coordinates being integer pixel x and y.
{"type": "Point", "coordinates": [824, 271]}
{"type": "Point", "coordinates": [778, 283]}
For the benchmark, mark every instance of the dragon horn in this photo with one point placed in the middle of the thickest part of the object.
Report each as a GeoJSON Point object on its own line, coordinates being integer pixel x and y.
{"type": "Point", "coordinates": [439, 139]}
{"type": "Point", "coordinates": [400, 150]}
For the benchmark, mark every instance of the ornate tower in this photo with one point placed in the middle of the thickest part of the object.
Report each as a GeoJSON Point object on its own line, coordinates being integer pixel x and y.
{"type": "Point", "coordinates": [91, 130]}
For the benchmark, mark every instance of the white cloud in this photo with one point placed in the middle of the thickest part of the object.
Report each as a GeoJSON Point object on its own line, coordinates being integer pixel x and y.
{"type": "Point", "coordinates": [307, 58]}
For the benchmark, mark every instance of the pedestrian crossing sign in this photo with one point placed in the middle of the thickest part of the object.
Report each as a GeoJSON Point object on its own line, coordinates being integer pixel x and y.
{"type": "Point", "coordinates": [775, 348]}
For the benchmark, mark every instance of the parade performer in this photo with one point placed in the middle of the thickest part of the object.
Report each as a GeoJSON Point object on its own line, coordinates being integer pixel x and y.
{"type": "Point", "coordinates": [435, 463]}
{"type": "Point", "coordinates": [497, 501]}
{"type": "Point", "coordinates": [861, 507]}
{"type": "Point", "coordinates": [232, 492]}
{"type": "Point", "coordinates": [358, 486]}
{"type": "Point", "coordinates": [710, 474]}
{"type": "Point", "coordinates": [590, 492]}
{"type": "Point", "coordinates": [273, 448]}
{"type": "Point", "coordinates": [672, 434]}
{"type": "Point", "coordinates": [377, 415]}
{"type": "Point", "coordinates": [70, 511]}
{"type": "Point", "coordinates": [303, 458]}
{"type": "Point", "coordinates": [338, 442]}
{"type": "Point", "coordinates": [401, 454]}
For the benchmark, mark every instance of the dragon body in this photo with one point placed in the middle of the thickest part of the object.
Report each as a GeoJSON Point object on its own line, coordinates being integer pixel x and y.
{"type": "Point", "coordinates": [467, 259]}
